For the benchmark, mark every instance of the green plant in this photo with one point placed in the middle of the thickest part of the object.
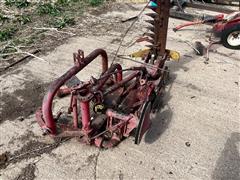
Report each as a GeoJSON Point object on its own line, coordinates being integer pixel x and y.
{"type": "Point", "coordinates": [23, 19]}
{"type": "Point", "coordinates": [7, 33]}
{"type": "Point", "coordinates": [48, 8]}
{"type": "Point", "coordinates": [7, 50]}
{"type": "Point", "coordinates": [63, 22]}
{"type": "Point", "coordinates": [63, 2]}
{"type": "Point", "coordinates": [95, 2]}
{"type": "Point", "coordinates": [17, 3]}
{"type": "Point", "coordinates": [25, 41]}
{"type": "Point", "coordinates": [3, 18]}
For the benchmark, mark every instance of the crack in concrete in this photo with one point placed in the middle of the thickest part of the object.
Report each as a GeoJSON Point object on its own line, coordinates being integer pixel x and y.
{"type": "Point", "coordinates": [96, 164]}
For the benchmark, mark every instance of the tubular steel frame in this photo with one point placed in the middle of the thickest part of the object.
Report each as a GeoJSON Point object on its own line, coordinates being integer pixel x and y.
{"type": "Point", "coordinates": [119, 102]}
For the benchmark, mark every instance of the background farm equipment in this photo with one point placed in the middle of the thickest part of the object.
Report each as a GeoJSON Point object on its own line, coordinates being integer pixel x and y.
{"type": "Point", "coordinates": [226, 26]}
{"type": "Point", "coordinates": [107, 109]}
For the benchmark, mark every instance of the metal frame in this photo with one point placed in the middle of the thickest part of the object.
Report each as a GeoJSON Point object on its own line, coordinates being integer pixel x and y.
{"type": "Point", "coordinates": [118, 100]}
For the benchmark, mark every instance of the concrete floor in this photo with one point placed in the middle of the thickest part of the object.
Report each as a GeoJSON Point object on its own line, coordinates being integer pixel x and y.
{"type": "Point", "coordinates": [195, 136]}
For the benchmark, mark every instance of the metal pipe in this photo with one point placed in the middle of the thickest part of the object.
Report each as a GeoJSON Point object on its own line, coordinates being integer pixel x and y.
{"type": "Point", "coordinates": [54, 87]}
{"type": "Point", "coordinates": [121, 83]}
{"type": "Point", "coordinates": [63, 92]}
{"type": "Point", "coordinates": [156, 73]}
{"type": "Point", "coordinates": [111, 69]}
{"type": "Point", "coordinates": [119, 75]}
{"type": "Point", "coordinates": [75, 112]}
{"type": "Point", "coordinates": [85, 110]}
{"type": "Point", "coordinates": [114, 114]}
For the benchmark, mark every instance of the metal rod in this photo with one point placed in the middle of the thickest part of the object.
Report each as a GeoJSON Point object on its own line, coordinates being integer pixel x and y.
{"type": "Point", "coordinates": [75, 112]}
{"type": "Point", "coordinates": [85, 110]}
{"type": "Point", "coordinates": [48, 99]}
{"type": "Point", "coordinates": [121, 83]}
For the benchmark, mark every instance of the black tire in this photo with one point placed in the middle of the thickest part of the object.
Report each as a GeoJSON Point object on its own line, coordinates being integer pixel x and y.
{"type": "Point", "coordinates": [146, 110]}
{"type": "Point", "coordinates": [228, 32]}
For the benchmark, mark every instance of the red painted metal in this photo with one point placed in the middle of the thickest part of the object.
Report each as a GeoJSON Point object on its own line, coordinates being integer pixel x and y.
{"type": "Point", "coordinates": [220, 22]}
{"type": "Point", "coordinates": [107, 109]}
{"type": "Point", "coordinates": [119, 75]}
{"type": "Point", "coordinates": [111, 70]}
{"type": "Point", "coordinates": [75, 112]}
{"type": "Point", "coordinates": [85, 117]}
{"type": "Point", "coordinates": [80, 63]}
{"type": "Point", "coordinates": [211, 20]}
{"type": "Point", "coordinates": [63, 92]}
{"type": "Point", "coordinates": [219, 27]}
{"type": "Point", "coordinates": [139, 85]}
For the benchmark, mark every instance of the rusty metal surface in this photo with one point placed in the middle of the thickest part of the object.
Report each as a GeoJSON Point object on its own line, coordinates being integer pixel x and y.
{"type": "Point", "coordinates": [159, 27]}
{"type": "Point", "coordinates": [104, 110]}
{"type": "Point", "coordinates": [54, 87]}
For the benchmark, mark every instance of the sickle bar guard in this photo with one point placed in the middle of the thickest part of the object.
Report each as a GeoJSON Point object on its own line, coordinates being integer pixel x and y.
{"type": "Point", "coordinates": [106, 110]}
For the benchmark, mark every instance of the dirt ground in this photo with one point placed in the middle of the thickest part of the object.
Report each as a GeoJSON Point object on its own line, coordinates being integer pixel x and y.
{"type": "Point", "coordinates": [196, 135]}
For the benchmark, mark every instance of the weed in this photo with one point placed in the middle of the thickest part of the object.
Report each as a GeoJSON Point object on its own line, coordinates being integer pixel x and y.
{"type": "Point", "coordinates": [7, 50]}
{"type": "Point", "coordinates": [32, 39]}
{"type": "Point", "coordinates": [76, 0]}
{"type": "Point", "coordinates": [48, 8]}
{"type": "Point", "coordinates": [7, 33]}
{"type": "Point", "coordinates": [26, 40]}
{"type": "Point", "coordinates": [63, 22]}
{"type": "Point", "coordinates": [90, 2]}
{"type": "Point", "coordinates": [17, 3]}
{"type": "Point", "coordinates": [62, 14]}
{"type": "Point", "coordinates": [23, 19]}
{"type": "Point", "coordinates": [3, 18]}
{"type": "Point", "coordinates": [95, 2]}
{"type": "Point", "coordinates": [63, 2]}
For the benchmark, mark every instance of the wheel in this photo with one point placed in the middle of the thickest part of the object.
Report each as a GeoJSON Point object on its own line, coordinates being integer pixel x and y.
{"type": "Point", "coordinates": [144, 121]}
{"type": "Point", "coordinates": [231, 37]}
{"type": "Point", "coordinates": [157, 102]}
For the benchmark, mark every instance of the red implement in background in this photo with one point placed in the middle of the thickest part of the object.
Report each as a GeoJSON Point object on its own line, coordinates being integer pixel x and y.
{"type": "Point", "coordinates": [226, 27]}
{"type": "Point", "coordinates": [229, 30]}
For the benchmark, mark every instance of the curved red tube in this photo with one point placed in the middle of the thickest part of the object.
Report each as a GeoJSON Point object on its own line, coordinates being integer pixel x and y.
{"type": "Point", "coordinates": [48, 99]}
{"type": "Point", "coordinates": [208, 20]}
{"type": "Point", "coordinates": [187, 24]}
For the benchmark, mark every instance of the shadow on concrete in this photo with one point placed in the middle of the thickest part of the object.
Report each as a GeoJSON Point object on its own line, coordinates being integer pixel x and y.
{"type": "Point", "coordinates": [162, 119]}
{"type": "Point", "coordinates": [159, 124]}
{"type": "Point", "coordinates": [228, 164]}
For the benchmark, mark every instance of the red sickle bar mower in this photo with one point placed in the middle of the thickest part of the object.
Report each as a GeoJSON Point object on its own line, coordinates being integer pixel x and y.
{"type": "Point", "coordinates": [107, 109]}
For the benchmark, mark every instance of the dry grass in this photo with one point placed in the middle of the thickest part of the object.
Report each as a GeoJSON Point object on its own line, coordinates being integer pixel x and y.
{"type": "Point", "coordinates": [20, 20]}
